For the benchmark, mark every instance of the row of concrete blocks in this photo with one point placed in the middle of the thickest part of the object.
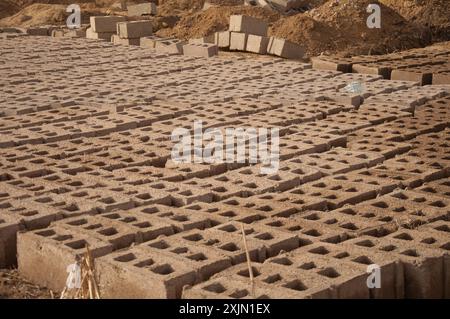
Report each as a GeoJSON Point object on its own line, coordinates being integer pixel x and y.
{"type": "Point", "coordinates": [317, 269]}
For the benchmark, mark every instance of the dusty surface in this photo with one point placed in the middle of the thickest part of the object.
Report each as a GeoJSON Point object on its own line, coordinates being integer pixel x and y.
{"type": "Point", "coordinates": [12, 286]}
{"type": "Point", "coordinates": [328, 27]}
{"type": "Point", "coordinates": [363, 176]}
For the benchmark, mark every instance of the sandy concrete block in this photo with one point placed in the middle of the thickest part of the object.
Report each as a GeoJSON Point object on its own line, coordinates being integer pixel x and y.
{"type": "Point", "coordinates": [238, 41]}
{"type": "Point", "coordinates": [285, 49]}
{"type": "Point", "coordinates": [105, 23]}
{"type": "Point", "coordinates": [43, 256]}
{"type": "Point", "coordinates": [150, 41]}
{"type": "Point", "coordinates": [91, 34]}
{"type": "Point", "coordinates": [246, 24]}
{"type": "Point", "coordinates": [8, 243]}
{"type": "Point", "coordinates": [43, 31]}
{"type": "Point", "coordinates": [119, 41]}
{"type": "Point", "coordinates": [170, 46]}
{"type": "Point", "coordinates": [134, 29]}
{"type": "Point", "coordinates": [257, 44]}
{"type": "Point", "coordinates": [222, 39]}
{"type": "Point", "coordinates": [142, 9]}
{"type": "Point", "coordinates": [204, 50]}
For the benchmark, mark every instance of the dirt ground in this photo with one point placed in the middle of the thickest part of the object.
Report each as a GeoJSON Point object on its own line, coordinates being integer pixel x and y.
{"type": "Point", "coordinates": [12, 286]}
{"type": "Point", "coordinates": [329, 27]}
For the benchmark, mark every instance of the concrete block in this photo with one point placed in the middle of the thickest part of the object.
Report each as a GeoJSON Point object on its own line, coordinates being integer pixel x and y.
{"type": "Point", "coordinates": [37, 31]}
{"type": "Point", "coordinates": [150, 41]}
{"type": "Point", "coordinates": [284, 48]}
{"type": "Point", "coordinates": [91, 34]}
{"type": "Point", "coordinates": [203, 50]}
{"type": "Point", "coordinates": [222, 39]}
{"type": "Point", "coordinates": [105, 23]}
{"type": "Point", "coordinates": [142, 9]}
{"type": "Point", "coordinates": [134, 29]}
{"type": "Point", "coordinates": [208, 39]}
{"type": "Point", "coordinates": [246, 24]}
{"type": "Point", "coordinates": [115, 39]}
{"type": "Point", "coordinates": [170, 46]}
{"type": "Point", "coordinates": [257, 44]}
{"type": "Point", "coordinates": [238, 41]}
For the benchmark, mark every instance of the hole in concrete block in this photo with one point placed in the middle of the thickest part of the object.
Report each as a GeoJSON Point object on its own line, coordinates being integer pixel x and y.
{"type": "Point", "coordinates": [329, 272]}
{"type": "Point", "coordinates": [46, 233]}
{"type": "Point", "coordinates": [308, 266]}
{"type": "Point", "coordinates": [215, 287]}
{"type": "Point", "coordinates": [410, 252]}
{"type": "Point", "coordinates": [264, 236]}
{"type": "Point", "coordinates": [230, 247]}
{"type": "Point", "coordinates": [349, 226]}
{"type": "Point", "coordinates": [197, 257]}
{"type": "Point", "coordinates": [363, 260]}
{"type": "Point", "coordinates": [312, 232]}
{"type": "Point", "coordinates": [276, 223]}
{"type": "Point", "coordinates": [142, 225]}
{"type": "Point", "coordinates": [108, 231]}
{"type": "Point", "coordinates": [144, 263]}
{"type": "Point", "coordinates": [245, 272]}
{"type": "Point", "coordinates": [388, 248]}
{"type": "Point", "coordinates": [295, 285]}
{"type": "Point", "coordinates": [180, 250]}
{"type": "Point", "coordinates": [319, 250]}
{"type": "Point", "coordinates": [94, 226]}
{"type": "Point", "coordinates": [380, 205]}
{"type": "Point", "coordinates": [272, 279]}
{"type": "Point", "coordinates": [239, 294]}
{"type": "Point", "coordinates": [63, 237]}
{"type": "Point", "coordinates": [228, 228]}
{"type": "Point", "coordinates": [365, 243]}
{"type": "Point", "coordinates": [443, 228]}
{"type": "Point", "coordinates": [429, 240]}
{"type": "Point", "coordinates": [193, 237]}
{"type": "Point", "coordinates": [282, 261]}
{"type": "Point", "coordinates": [313, 216]}
{"type": "Point", "coordinates": [342, 255]}
{"type": "Point", "coordinates": [160, 245]}
{"type": "Point", "coordinates": [163, 269]}
{"type": "Point", "coordinates": [79, 244]}
{"type": "Point", "coordinates": [404, 236]}
{"type": "Point", "coordinates": [125, 258]}
{"type": "Point", "coordinates": [446, 246]}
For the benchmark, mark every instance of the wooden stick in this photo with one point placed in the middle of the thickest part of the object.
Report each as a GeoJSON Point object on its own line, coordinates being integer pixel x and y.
{"type": "Point", "coordinates": [249, 265]}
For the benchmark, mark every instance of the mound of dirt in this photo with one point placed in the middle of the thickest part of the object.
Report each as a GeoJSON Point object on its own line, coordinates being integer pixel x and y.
{"type": "Point", "coordinates": [36, 14]}
{"type": "Point", "coordinates": [214, 19]}
{"type": "Point", "coordinates": [348, 18]}
{"type": "Point", "coordinates": [434, 14]}
{"type": "Point", "coordinates": [316, 37]}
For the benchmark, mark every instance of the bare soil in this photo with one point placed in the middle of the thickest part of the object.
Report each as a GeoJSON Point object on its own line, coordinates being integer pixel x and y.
{"type": "Point", "coordinates": [328, 27]}
{"type": "Point", "coordinates": [12, 286]}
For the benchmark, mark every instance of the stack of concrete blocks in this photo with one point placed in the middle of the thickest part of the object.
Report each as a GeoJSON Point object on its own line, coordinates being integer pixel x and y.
{"type": "Point", "coordinates": [103, 27]}
{"type": "Point", "coordinates": [130, 33]}
{"type": "Point", "coordinates": [250, 34]}
{"type": "Point", "coordinates": [203, 47]}
{"type": "Point", "coordinates": [142, 9]}
{"type": "Point", "coordinates": [241, 27]}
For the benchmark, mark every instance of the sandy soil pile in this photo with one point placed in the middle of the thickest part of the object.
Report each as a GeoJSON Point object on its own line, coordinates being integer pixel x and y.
{"type": "Point", "coordinates": [331, 26]}
{"type": "Point", "coordinates": [214, 19]}
{"type": "Point", "coordinates": [341, 26]}
{"type": "Point", "coordinates": [434, 14]}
